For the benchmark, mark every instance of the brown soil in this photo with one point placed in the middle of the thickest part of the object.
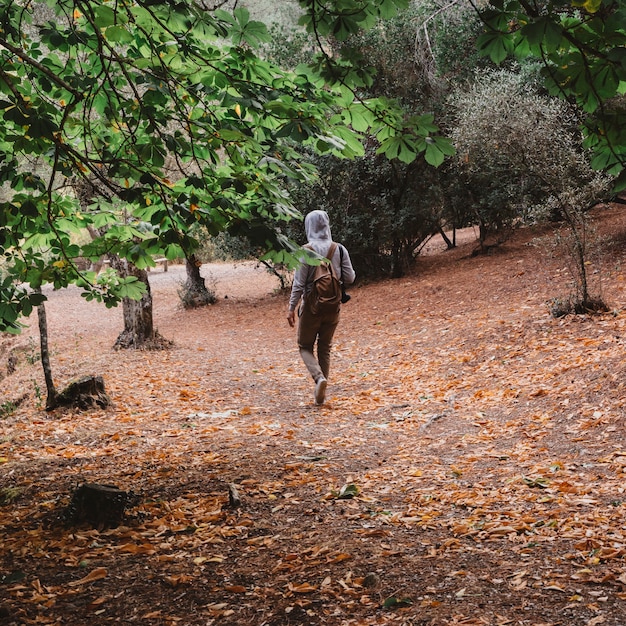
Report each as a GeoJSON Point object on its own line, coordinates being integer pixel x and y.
{"type": "Point", "coordinates": [483, 438]}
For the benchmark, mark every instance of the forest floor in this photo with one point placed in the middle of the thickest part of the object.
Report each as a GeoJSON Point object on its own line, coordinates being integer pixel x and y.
{"type": "Point", "coordinates": [468, 467]}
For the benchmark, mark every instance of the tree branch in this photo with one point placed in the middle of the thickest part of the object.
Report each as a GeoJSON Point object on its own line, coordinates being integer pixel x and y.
{"type": "Point", "coordinates": [55, 78]}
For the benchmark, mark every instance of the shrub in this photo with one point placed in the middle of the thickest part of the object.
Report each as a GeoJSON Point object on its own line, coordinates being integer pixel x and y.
{"type": "Point", "coordinates": [517, 151]}
{"type": "Point", "coordinates": [380, 209]}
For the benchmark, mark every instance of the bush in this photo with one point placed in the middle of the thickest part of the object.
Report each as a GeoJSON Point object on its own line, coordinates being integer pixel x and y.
{"type": "Point", "coordinates": [224, 247]}
{"type": "Point", "coordinates": [380, 209]}
{"type": "Point", "coordinates": [519, 153]}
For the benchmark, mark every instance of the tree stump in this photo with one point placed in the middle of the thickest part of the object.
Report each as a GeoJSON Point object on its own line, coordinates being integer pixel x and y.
{"type": "Point", "coordinates": [85, 393]}
{"type": "Point", "coordinates": [100, 506]}
{"type": "Point", "coordinates": [234, 499]}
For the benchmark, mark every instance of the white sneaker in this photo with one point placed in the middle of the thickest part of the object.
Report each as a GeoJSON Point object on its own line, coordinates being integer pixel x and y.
{"type": "Point", "coordinates": [320, 390]}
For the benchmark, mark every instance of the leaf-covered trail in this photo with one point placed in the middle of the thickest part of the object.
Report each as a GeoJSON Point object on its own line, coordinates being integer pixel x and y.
{"type": "Point", "coordinates": [484, 439]}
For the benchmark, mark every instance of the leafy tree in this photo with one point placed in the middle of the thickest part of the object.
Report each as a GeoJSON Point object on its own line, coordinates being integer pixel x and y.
{"type": "Point", "coordinates": [582, 45]}
{"type": "Point", "coordinates": [167, 111]}
{"type": "Point", "coordinates": [519, 155]}
{"type": "Point", "coordinates": [179, 122]}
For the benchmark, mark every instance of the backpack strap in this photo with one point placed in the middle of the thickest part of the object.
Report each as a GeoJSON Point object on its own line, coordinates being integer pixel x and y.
{"type": "Point", "coordinates": [341, 266]}
{"type": "Point", "coordinates": [330, 253]}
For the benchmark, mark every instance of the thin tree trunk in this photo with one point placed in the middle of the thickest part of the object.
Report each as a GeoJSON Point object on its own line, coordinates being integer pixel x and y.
{"type": "Point", "coordinates": [577, 228]}
{"type": "Point", "coordinates": [272, 269]}
{"type": "Point", "coordinates": [449, 243]}
{"type": "Point", "coordinates": [51, 399]}
{"type": "Point", "coordinates": [397, 265]}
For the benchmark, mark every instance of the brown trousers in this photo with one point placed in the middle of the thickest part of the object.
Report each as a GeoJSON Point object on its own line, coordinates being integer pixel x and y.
{"type": "Point", "coordinates": [318, 329]}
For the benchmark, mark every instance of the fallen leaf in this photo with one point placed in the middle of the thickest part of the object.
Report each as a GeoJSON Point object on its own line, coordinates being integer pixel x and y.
{"type": "Point", "coordinates": [96, 574]}
{"type": "Point", "coordinates": [393, 602]}
{"type": "Point", "coordinates": [347, 492]}
{"type": "Point", "coordinates": [302, 588]}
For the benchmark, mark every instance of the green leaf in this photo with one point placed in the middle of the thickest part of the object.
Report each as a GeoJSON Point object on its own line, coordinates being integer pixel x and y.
{"type": "Point", "coordinates": [118, 34]}
{"type": "Point", "coordinates": [620, 182]}
{"type": "Point", "coordinates": [437, 148]}
{"type": "Point", "coordinates": [543, 32]}
{"type": "Point", "coordinates": [604, 159]}
{"type": "Point", "coordinates": [39, 241]}
{"type": "Point", "coordinates": [353, 146]}
{"type": "Point", "coordinates": [393, 602]}
{"type": "Point", "coordinates": [241, 29]}
{"type": "Point", "coordinates": [496, 45]}
{"type": "Point", "coordinates": [389, 8]}
{"type": "Point", "coordinates": [361, 119]}
{"type": "Point", "coordinates": [605, 81]}
{"type": "Point", "coordinates": [399, 147]}
{"type": "Point", "coordinates": [345, 26]}
{"type": "Point", "coordinates": [130, 287]}
{"type": "Point", "coordinates": [104, 16]}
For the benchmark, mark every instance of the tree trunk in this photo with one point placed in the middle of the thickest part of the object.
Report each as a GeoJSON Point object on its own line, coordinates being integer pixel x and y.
{"type": "Point", "coordinates": [581, 257]}
{"type": "Point", "coordinates": [139, 332]}
{"type": "Point", "coordinates": [397, 262]}
{"type": "Point", "coordinates": [51, 399]}
{"type": "Point", "coordinates": [449, 243]}
{"type": "Point", "coordinates": [195, 293]}
{"type": "Point", "coordinates": [85, 393]}
{"type": "Point", "coordinates": [195, 283]}
{"type": "Point", "coordinates": [273, 270]}
{"type": "Point", "coordinates": [100, 506]}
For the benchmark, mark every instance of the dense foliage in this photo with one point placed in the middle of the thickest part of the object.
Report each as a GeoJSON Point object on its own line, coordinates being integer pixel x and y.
{"type": "Point", "coordinates": [520, 151]}
{"type": "Point", "coordinates": [173, 119]}
{"type": "Point", "coordinates": [519, 154]}
{"type": "Point", "coordinates": [582, 45]}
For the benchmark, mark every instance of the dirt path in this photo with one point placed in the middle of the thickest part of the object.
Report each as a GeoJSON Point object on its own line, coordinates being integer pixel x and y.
{"type": "Point", "coordinates": [484, 441]}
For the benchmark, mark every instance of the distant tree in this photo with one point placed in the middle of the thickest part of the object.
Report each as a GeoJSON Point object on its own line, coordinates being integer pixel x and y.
{"type": "Point", "coordinates": [382, 210]}
{"type": "Point", "coordinates": [518, 152]}
{"type": "Point", "coordinates": [194, 292]}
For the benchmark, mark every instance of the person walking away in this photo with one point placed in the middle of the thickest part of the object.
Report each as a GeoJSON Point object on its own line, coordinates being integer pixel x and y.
{"type": "Point", "coordinates": [317, 326]}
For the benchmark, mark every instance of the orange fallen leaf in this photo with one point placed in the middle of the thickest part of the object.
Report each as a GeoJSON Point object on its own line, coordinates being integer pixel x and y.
{"type": "Point", "coordinates": [339, 557]}
{"type": "Point", "coordinates": [96, 574]}
{"type": "Point", "coordinates": [175, 581]}
{"type": "Point", "coordinates": [302, 588]}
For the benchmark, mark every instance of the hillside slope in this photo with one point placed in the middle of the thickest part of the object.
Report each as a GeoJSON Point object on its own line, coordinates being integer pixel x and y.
{"type": "Point", "coordinates": [468, 468]}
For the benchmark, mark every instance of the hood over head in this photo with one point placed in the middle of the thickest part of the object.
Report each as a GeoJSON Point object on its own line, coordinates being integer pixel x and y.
{"type": "Point", "coordinates": [317, 226]}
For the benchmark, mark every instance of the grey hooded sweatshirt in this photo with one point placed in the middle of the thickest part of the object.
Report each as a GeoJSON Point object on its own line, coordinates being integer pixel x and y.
{"type": "Point", "coordinates": [317, 229]}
